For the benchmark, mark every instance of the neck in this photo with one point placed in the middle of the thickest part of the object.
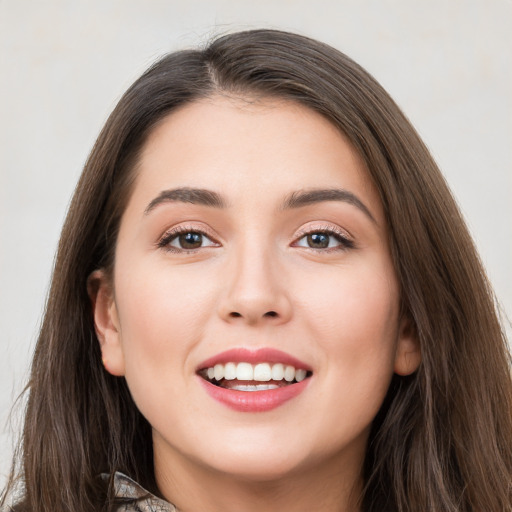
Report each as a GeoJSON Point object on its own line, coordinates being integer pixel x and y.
{"type": "Point", "coordinates": [326, 488]}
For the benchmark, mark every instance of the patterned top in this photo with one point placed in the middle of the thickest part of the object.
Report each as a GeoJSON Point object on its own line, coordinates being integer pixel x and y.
{"type": "Point", "coordinates": [125, 487]}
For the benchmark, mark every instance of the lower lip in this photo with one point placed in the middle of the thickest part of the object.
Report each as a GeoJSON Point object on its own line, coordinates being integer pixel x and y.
{"type": "Point", "coordinates": [254, 401]}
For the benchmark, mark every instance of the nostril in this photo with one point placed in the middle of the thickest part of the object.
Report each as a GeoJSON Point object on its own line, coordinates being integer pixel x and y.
{"type": "Point", "coordinates": [268, 314]}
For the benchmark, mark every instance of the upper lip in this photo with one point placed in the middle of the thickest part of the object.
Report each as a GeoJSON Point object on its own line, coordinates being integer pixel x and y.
{"type": "Point", "coordinates": [254, 356]}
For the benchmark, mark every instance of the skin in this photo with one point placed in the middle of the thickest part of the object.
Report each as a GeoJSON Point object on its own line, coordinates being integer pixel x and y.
{"type": "Point", "coordinates": [167, 309]}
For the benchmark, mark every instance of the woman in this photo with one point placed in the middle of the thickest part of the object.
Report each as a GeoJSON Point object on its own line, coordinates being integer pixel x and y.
{"type": "Point", "coordinates": [265, 298]}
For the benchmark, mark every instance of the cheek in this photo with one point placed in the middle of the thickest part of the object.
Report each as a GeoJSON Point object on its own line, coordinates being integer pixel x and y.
{"type": "Point", "coordinates": [356, 305]}
{"type": "Point", "coordinates": [162, 312]}
{"type": "Point", "coordinates": [354, 318]}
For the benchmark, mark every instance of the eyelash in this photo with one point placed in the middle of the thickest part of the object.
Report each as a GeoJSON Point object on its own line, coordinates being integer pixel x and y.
{"type": "Point", "coordinates": [172, 234]}
{"type": "Point", "coordinates": [345, 242]}
{"type": "Point", "coordinates": [340, 236]}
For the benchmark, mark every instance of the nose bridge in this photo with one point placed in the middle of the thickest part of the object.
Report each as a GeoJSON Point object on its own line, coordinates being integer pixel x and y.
{"type": "Point", "coordinates": [255, 290]}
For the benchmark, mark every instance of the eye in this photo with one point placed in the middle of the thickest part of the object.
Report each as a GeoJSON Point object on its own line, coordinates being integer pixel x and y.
{"type": "Point", "coordinates": [324, 239]}
{"type": "Point", "coordinates": [186, 240]}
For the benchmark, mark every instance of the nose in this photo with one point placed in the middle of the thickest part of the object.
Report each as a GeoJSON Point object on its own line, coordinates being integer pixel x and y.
{"type": "Point", "coordinates": [255, 290]}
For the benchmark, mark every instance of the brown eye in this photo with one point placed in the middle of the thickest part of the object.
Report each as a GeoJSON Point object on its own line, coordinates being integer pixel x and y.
{"type": "Point", "coordinates": [186, 241]}
{"type": "Point", "coordinates": [324, 240]}
{"type": "Point", "coordinates": [318, 240]}
{"type": "Point", "coordinates": [190, 240]}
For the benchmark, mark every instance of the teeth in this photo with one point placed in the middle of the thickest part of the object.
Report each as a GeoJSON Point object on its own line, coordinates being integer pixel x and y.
{"type": "Point", "coordinates": [278, 372]}
{"type": "Point", "coordinates": [289, 373]}
{"type": "Point", "coordinates": [255, 387]}
{"type": "Point", "coordinates": [261, 372]}
{"type": "Point", "coordinates": [300, 375]}
{"type": "Point", "coordinates": [230, 371]}
{"type": "Point", "coordinates": [218, 372]}
{"type": "Point", "coordinates": [244, 371]}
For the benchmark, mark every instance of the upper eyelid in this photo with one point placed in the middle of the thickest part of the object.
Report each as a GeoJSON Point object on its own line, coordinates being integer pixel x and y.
{"type": "Point", "coordinates": [345, 239]}
{"type": "Point", "coordinates": [312, 227]}
{"type": "Point", "coordinates": [173, 232]}
{"type": "Point", "coordinates": [327, 228]}
{"type": "Point", "coordinates": [184, 228]}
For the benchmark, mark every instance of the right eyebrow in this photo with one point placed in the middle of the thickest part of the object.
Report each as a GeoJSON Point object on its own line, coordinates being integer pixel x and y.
{"type": "Point", "coordinates": [187, 195]}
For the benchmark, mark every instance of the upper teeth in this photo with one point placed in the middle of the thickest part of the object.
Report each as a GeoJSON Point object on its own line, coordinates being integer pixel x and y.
{"type": "Point", "coordinates": [261, 372]}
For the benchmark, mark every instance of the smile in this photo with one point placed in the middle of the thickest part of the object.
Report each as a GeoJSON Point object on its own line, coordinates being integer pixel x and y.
{"type": "Point", "coordinates": [245, 376]}
{"type": "Point", "coordinates": [254, 381]}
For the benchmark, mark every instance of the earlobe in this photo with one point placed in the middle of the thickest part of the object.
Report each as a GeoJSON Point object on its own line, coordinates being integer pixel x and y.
{"type": "Point", "coordinates": [408, 352]}
{"type": "Point", "coordinates": [106, 322]}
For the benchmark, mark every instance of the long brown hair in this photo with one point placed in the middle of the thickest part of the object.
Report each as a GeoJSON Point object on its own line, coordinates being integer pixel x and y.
{"type": "Point", "coordinates": [442, 440]}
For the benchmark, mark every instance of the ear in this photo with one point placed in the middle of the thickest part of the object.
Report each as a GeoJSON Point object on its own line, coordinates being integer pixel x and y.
{"type": "Point", "coordinates": [106, 322]}
{"type": "Point", "coordinates": [408, 353]}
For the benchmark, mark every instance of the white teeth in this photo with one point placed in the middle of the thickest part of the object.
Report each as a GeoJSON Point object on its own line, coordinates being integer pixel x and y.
{"type": "Point", "coordinates": [278, 372]}
{"type": "Point", "coordinates": [261, 372]}
{"type": "Point", "coordinates": [289, 373]}
{"type": "Point", "coordinates": [230, 371]}
{"type": "Point", "coordinates": [300, 375]}
{"type": "Point", "coordinates": [256, 387]}
{"type": "Point", "coordinates": [218, 371]}
{"type": "Point", "coordinates": [244, 371]}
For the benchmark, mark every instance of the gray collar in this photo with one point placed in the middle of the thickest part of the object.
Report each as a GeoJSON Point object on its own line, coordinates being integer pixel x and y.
{"type": "Point", "coordinates": [125, 487]}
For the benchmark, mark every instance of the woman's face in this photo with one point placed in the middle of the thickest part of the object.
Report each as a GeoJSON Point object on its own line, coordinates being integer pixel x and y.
{"type": "Point", "coordinates": [253, 241]}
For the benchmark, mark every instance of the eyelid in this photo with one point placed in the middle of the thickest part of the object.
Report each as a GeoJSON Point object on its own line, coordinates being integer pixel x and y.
{"type": "Point", "coordinates": [345, 238]}
{"type": "Point", "coordinates": [173, 232]}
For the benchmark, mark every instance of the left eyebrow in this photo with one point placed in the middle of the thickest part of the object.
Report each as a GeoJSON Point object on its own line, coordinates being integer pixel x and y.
{"type": "Point", "coordinates": [302, 198]}
{"type": "Point", "coordinates": [187, 195]}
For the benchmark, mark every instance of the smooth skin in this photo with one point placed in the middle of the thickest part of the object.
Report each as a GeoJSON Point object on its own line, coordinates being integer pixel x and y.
{"type": "Point", "coordinates": [315, 280]}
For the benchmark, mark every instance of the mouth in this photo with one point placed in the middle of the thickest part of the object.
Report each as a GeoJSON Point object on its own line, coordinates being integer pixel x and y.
{"type": "Point", "coordinates": [247, 377]}
{"type": "Point", "coordinates": [254, 380]}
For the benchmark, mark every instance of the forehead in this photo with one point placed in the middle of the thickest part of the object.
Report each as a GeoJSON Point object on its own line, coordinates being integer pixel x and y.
{"type": "Point", "coordinates": [250, 148]}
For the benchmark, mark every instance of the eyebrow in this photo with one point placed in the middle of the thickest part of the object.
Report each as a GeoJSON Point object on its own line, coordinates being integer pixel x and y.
{"type": "Point", "coordinates": [306, 197]}
{"type": "Point", "coordinates": [187, 195]}
{"type": "Point", "coordinates": [297, 199]}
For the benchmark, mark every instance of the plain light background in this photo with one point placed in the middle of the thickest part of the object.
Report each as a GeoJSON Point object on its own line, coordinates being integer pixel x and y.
{"type": "Point", "coordinates": [64, 63]}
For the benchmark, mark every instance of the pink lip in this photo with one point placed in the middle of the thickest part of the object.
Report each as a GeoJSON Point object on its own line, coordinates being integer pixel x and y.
{"type": "Point", "coordinates": [254, 401]}
{"type": "Point", "coordinates": [262, 355]}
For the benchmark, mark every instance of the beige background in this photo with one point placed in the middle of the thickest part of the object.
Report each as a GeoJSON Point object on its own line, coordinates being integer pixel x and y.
{"type": "Point", "coordinates": [63, 65]}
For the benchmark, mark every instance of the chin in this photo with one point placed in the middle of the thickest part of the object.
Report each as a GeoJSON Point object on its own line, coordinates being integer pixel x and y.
{"type": "Point", "coordinates": [258, 468]}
